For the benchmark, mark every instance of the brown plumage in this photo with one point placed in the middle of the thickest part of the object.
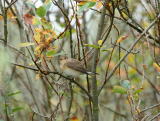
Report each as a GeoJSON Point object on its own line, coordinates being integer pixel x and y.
{"type": "Point", "coordinates": [73, 67]}
{"type": "Point", "coordinates": [77, 66]}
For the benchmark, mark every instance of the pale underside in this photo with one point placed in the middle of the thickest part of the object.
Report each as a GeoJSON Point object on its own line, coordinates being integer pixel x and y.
{"type": "Point", "coordinates": [70, 72]}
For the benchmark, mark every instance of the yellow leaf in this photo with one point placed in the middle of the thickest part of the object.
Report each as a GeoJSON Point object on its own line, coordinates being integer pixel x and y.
{"type": "Point", "coordinates": [99, 4]}
{"type": "Point", "coordinates": [93, 0]}
{"type": "Point", "coordinates": [156, 66]}
{"type": "Point", "coordinates": [145, 24]}
{"type": "Point", "coordinates": [37, 37]}
{"type": "Point", "coordinates": [38, 30]}
{"type": "Point", "coordinates": [19, 67]}
{"type": "Point", "coordinates": [1, 17]}
{"type": "Point", "coordinates": [39, 47]}
{"type": "Point", "coordinates": [132, 71]}
{"type": "Point", "coordinates": [120, 39]}
{"type": "Point", "coordinates": [82, 3]}
{"type": "Point", "coordinates": [74, 119]}
{"type": "Point", "coordinates": [131, 58]}
{"type": "Point", "coordinates": [10, 14]}
{"type": "Point", "coordinates": [35, 20]}
{"type": "Point", "coordinates": [108, 4]}
{"type": "Point", "coordinates": [26, 44]}
{"type": "Point", "coordinates": [100, 42]}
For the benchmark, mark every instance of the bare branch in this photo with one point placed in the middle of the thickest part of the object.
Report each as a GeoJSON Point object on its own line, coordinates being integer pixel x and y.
{"type": "Point", "coordinates": [128, 52]}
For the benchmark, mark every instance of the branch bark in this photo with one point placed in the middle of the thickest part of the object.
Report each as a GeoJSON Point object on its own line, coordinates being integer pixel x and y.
{"type": "Point", "coordinates": [94, 63]}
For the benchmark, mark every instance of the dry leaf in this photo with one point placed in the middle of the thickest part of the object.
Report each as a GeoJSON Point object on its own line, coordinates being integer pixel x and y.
{"type": "Point", "coordinates": [74, 118]}
{"type": "Point", "coordinates": [120, 39]}
{"type": "Point", "coordinates": [28, 18]}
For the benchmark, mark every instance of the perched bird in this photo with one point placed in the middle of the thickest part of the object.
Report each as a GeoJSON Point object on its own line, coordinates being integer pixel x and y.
{"type": "Point", "coordinates": [73, 67]}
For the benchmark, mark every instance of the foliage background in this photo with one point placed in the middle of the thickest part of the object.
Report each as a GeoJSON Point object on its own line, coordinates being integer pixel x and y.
{"type": "Point", "coordinates": [34, 33]}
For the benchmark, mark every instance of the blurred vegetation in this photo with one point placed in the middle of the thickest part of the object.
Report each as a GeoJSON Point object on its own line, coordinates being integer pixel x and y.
{"type": "Point", "coordinates": [118, 39]}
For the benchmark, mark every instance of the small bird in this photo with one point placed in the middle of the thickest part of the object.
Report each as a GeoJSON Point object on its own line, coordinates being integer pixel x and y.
{"type": "Point", "coordinates": [73, 67]}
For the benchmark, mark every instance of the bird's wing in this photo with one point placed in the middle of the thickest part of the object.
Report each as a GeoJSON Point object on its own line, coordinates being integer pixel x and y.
{"type": "Point", "coordinates": [76, 65]}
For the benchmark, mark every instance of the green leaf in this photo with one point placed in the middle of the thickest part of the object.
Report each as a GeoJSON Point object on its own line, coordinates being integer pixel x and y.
{"type": "Point", "coordinates": [16, 109]}
{"type": "Point", "coordinates": [91, 4]}
{"type": "Point", "coordinates": [138, 91]}
{"type": "Point", "coordinates": [26, 44]}
{"type": "Point", "coordinates": [14, 93]}
{"type": "Point", "coordinates": [87, 5]}
{"type": "Point", "coordinates": [41, 11]}
{"type": "Point", "coordinates": [90, 45]}
{"type": "Point", "coordinates": [119, 89]}
{"type": "Point", "coordinates": [51, 52]}
{"type": "Point", "coordinates": [136, 97]}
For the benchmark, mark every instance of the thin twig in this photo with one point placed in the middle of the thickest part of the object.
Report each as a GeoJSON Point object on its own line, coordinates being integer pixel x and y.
{"type": "Point", "coordinates": [39, 114]}
{"type": "Point", "coordinates": [13, 48]}
{"type": "Point", "coordinates": [57, 73]}
{"type": "Point", "coordinates": [117, 113]}
{"type": "Point", "coordinates": [11, 4]}
{"type": "Point", "coordinates": [133, 52]}
{"type": "Point", "coordinates": [156, 116]}
{"type": "Point", "coordinates": [153, 106]}
{"type": "Point", "coordinates": [130, 24]}
{"type": "Point", "coordinates": [128, 52]}
{"type": "Point", "coordinates": [148, 80]}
